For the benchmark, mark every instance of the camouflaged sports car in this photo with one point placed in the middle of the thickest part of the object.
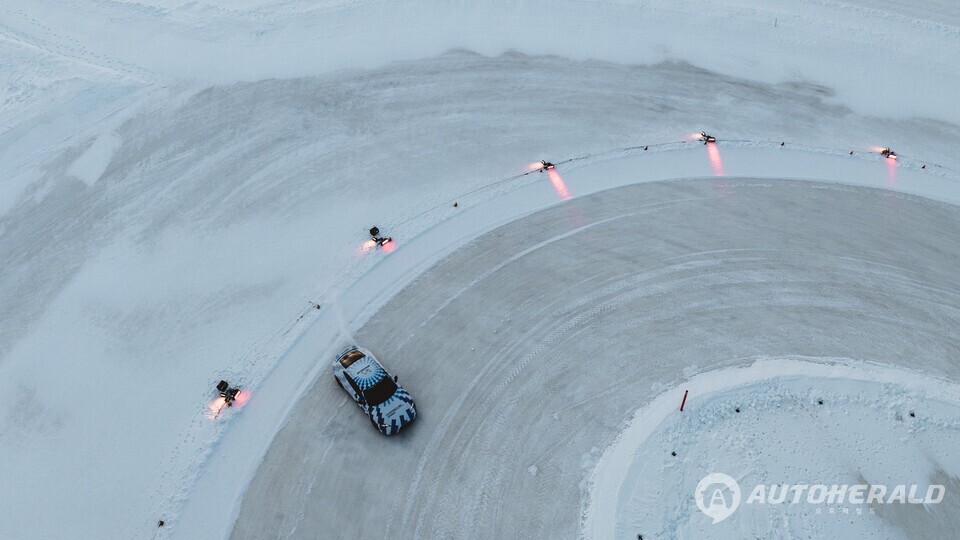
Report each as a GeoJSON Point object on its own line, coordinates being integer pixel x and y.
{"type": "Point", "coordinates": [361, 375]}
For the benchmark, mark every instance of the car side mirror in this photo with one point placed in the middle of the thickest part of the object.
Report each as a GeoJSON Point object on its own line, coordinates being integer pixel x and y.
{"type": "Point", "coordinates": [395, 378]}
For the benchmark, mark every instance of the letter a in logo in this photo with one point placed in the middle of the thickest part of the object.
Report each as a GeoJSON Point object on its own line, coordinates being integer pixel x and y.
{"type": "Point", "coordinates": [719, 509]}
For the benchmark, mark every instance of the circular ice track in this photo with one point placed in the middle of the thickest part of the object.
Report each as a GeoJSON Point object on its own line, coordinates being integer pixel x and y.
{"type": "Point", "coordinates": [529, 349]}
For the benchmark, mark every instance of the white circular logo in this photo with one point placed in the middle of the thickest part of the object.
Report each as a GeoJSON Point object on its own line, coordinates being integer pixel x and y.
{"type": "Point", "coordinates": [720, 503]}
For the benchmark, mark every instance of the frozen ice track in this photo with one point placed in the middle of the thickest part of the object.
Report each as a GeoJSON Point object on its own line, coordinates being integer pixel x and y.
{"type": "Point", "coordinates": [663, 280]}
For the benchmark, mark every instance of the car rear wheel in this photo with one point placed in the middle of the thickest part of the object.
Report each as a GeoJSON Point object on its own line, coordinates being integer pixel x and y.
{"type": "Point", "coordinates": [340, 384]}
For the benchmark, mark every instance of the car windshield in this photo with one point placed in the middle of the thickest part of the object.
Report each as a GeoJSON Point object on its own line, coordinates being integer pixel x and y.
{"type": "Point", "coordinates": [351, 357]}
{"type": "Point", "coordinates": [380, 392]}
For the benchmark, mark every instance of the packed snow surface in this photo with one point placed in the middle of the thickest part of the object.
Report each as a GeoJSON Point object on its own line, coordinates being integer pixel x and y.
{"type": "Point", "coordinates": [184, 183]}
{"type": "Point", "coordinates": [782, 422]}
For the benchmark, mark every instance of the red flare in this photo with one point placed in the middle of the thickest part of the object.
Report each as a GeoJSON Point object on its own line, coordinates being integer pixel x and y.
{"type": "Point", "coordinates": [716, 162]}
{"type": "Point", "coordinates": [559, 185]}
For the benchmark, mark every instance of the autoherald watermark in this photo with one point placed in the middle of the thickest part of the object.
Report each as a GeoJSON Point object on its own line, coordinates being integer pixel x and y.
{"type": "Point", "coordinates": [718, 495]}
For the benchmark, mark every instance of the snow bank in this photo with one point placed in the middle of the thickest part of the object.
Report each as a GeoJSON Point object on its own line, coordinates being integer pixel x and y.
{"type": "Point", "coordinates": [94, 161]}
{"type": "Point", "coordinates": [875, 60]}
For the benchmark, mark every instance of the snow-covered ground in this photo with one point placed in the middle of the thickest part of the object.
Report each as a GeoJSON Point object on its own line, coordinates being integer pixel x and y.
{"type": "Point", "coordinates": [836, 423]}
{"type": "Point", "coordinates": [183, 182]}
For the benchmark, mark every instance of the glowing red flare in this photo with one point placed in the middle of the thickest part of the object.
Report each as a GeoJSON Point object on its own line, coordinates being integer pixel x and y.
{"type": "Point", "coordinates": [559, 185]}
{"type": "Point", "coordinates": [716, 162]}
{"type": "Point", "coordinates": [241, 399]}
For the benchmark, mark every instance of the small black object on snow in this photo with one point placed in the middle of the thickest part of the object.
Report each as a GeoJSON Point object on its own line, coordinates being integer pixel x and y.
{"type": "Point", "coordinates": [913, 414]}
{"type": "Point", "coordinates": [851, 152]}
{"type": "Point", "coordinates": [455, 205]}
{"type": "Point", "coordinates": [820, 401]}
{"type": "Point", "coordinates": [645, 149]}
{"type": "Point", "coordinates": [160, 523]}
{"type": "Point", "coordinates": [737, 409]}
{"type": "Point", "coordinates": [227, 393]}
{"type": "Point", "coordinates": [318, 306]}
{"type": "Point", "coordinates": [924, 167]}
{"type": "Point", "coordinates": [674, 454]}
{"type": "Point", "coordinates": [375, 236]}
{"type": "Point", "coordinates": [781, 143]}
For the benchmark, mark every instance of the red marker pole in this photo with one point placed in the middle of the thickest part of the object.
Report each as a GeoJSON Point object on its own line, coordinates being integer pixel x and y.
{"type": "Point", "coordinates": [684, 402]}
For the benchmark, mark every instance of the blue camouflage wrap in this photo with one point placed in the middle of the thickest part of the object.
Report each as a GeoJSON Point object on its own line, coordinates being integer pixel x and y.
{"type": "Point", "coordinates": [391, 415]}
